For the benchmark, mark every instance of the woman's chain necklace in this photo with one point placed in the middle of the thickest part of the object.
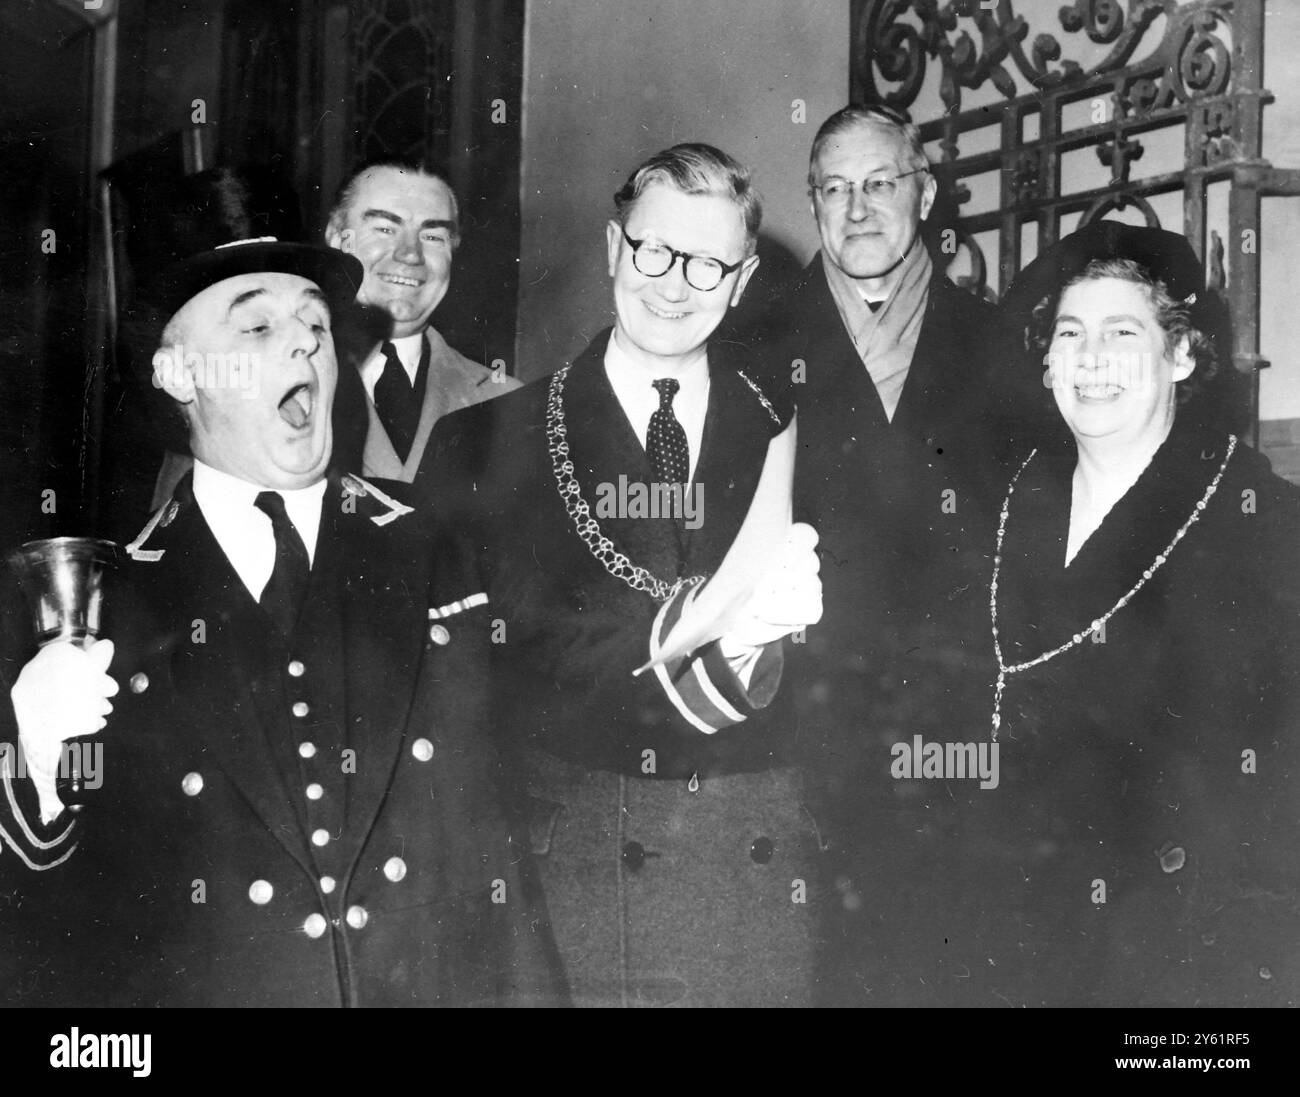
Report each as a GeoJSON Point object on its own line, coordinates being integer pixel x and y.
{"type": "Point", "coordinates": [600, 546]}
{"type": "Point", "coordinates": [1100, 622]}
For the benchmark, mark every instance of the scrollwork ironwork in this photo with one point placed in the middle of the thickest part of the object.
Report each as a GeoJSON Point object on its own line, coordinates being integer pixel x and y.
{"type": "Point", "coordinates": [896, 40]}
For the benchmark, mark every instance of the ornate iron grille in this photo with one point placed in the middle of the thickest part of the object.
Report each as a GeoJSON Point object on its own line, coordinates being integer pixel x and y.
{"type": "Point", "coordinates": [1193, 79]}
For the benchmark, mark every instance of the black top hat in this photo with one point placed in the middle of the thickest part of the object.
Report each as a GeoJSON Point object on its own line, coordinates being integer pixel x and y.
{"type": "Point", "coordinates": [206, 228]}
{"type": "Point", "coordinates": [221, 223]}
{"type": "Point", "coordinates": [338, 275]}
{"type": "Point", "coordinates": [1165, 256]}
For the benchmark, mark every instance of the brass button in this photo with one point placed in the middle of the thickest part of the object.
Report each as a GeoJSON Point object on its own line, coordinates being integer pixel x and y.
{"type": "Point", "coordinates": [139, 682]}
{"type": "Point", "coordinates": [439, 635]}
{"type": "Point", "coordinates": [320, 837]}
{"type": "Point", "coordinates": [192, 784]}
{"type": "Point", "coordinates": [422, 749]}
{"type": "Point", "coordinates": [307, 750]}
{"type": "Point", "coordinates": [260, 891]}
{"type": "Point", "coordinates": [315, 926]}
{"type": "Point", "coordinates": [357, 917]}
{"type": "Point", "coordinates": [328, 884]}
{"type": "Point", "coordinates": [296, 668]}
{"type": "Point", "coordinates": [395, 869]}
{"type": "Point", "coordinates": [315, 791]}
{"type": "Point", "coordinates": [300, 709]}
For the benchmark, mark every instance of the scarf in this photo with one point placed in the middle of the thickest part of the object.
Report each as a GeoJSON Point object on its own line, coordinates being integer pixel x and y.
{"type": "Point", "coordinates": [885, 340]}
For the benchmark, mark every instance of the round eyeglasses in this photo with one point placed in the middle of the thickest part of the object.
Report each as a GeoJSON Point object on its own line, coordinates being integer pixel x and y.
{"type": "Point", "coordinates": [881, 188]}
{"type": "Point", "coordinates": [655, 260]}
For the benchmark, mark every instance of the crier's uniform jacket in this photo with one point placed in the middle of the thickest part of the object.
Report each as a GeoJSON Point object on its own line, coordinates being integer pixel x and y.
{"type": "Point", "coordinates": [677, 861]}
{"type": "Point", "coordinates": [303, 820]}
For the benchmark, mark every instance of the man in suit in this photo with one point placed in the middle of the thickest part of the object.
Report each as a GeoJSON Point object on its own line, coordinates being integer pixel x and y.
{"type": "Point", "coordinates": [402, 222]}
{"type": "Point", "coordinates": [893, 369]}
{"type": "Point", "coordinates": [677, 862]}
{"type": "Point", "coordinates": [298, 801]}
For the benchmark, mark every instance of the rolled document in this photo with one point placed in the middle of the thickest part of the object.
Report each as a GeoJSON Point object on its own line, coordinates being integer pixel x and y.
{"type": "Point", "coordinates": [726, 593]}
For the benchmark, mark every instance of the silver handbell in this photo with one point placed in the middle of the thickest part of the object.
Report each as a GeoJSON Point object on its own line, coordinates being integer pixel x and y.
{"type": "Point", "coordinates": [62, 579]}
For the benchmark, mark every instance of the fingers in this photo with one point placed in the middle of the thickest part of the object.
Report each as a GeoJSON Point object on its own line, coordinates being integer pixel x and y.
{"type": "Point", "coordinates": [801, 538]}
{"type": "Point", "coordinates": [101, 654]}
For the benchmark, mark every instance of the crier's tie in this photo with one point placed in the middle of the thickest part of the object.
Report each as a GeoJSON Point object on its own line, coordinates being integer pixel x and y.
{"type": "Point", "coordinates": [396, 403]}
{"type": "Point", "coordinates": [665, 443]}
{"type": "Point", "coordinates": [283, 594]}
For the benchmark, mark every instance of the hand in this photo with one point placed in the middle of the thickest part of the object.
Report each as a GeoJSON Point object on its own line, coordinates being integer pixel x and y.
{"type": "Point", "coordinates": [61, 694]}
{"type": "Point", "coordinates": [786, 599]}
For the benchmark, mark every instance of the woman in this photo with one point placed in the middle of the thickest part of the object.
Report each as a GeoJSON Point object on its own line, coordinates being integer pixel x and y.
{"type": "Point", "coordinates": [1133, 649]}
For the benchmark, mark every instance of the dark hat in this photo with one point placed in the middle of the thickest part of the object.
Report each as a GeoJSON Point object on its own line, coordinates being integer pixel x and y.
{"type": "Point", "coordinates": [1165, 256]}
{"type": "Point", "coordinates": [338, 276]}
{"type": "Point", "coordinates": [220, 223]}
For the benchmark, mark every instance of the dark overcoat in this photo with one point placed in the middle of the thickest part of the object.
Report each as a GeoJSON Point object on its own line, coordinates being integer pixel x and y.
{"type": "Point", "coordinates": [1141, 846]}
{"type": "Point", "coordinates": [678, 862]}
{"type": "Point", "coordinates": [889, 499]}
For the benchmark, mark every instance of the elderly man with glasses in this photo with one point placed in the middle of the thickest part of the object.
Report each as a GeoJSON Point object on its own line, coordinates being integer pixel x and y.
{"type": "Point", "coordinates": [665, 811]}
{"type": "Point", "coordinates": [891, 364]}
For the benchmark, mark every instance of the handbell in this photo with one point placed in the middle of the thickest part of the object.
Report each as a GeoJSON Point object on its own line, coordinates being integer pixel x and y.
{"type": "Point", "coordinates": [62, 579]}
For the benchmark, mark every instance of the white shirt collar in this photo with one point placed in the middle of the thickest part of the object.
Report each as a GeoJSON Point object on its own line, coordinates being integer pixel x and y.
{"type": "Point", "coordinates": [409, 348]}
{"type": "Point", "coordinates": [633, 387]}
{"type": "Point", "coordinates": [243, 531]}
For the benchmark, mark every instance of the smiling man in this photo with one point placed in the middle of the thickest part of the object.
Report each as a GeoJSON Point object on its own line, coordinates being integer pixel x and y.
{"type": "Point", "coordinates": [299, 800]}
{"type": "Point", "coordinates": [402, 222]}
{"type": "Point", "coordinates": [677, 862]}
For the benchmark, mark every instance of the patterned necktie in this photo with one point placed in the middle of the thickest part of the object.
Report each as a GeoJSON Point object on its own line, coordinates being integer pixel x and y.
{"type": "Point", "coordinates": [396, 403]}
{"type": "Point", "coordinates": [665, 443]}
{"type": "Point", "coordinates": [283, 593]}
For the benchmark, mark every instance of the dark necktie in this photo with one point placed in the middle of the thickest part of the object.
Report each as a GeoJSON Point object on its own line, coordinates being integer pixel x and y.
{"type": "Point", "coordinates": [665, 443]}
{"type": "Point", "coordinates": [282, 596]}
{"type": "Point", "coordinates": [875, 306]}
{"type": "Point", "coordinates": [397, 403]}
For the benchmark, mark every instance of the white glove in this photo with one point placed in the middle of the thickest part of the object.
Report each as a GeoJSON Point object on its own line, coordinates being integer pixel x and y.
{"type": "Point", "coordinates": [787, 598]}
{"type": "Point", "coordinates": [61, 694]}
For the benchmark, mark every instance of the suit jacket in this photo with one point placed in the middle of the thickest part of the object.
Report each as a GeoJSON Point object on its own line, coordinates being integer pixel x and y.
{"type": "Point", "coordinates": [571, 634]}
{"type": "Point", "coordinates": [304, 821]}
{"type": "Point", "coordinates": [665, 810]}
{"type": "Point", "coordinates": [455, 382]}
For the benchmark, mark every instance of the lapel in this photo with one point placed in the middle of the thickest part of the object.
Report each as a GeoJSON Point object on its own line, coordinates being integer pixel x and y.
{"type": "Point", "coordinates": [836, 375]}
{"type": "Point", "coordinates": [219, 683]}
{"type": "Point", "coordinates": [379, 458]}
{"type": "Point", "coordinates": [1050, 602]}
{"type": "Point", "coordinates": [437, 399]}
{"type": "Point", "coordinates": [603, 446]}
{"type": "Point", "coordinates": [933, 344]}
{"type": "Point", "coordinates": [732, 452]}
{"type": "Point", "coordinates": [383, 618]}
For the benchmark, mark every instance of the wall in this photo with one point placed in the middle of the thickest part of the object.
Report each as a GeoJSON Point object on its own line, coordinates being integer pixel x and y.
{"type": "Point", "coordinates": [605, 85]}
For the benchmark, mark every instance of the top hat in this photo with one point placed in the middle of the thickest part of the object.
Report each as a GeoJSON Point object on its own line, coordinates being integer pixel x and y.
{"type": "Point", "coordinates": [218, 224]}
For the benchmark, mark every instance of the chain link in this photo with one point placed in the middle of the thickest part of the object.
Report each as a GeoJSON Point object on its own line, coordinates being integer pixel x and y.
{"type": "Point", "coordinates": [600, 546]}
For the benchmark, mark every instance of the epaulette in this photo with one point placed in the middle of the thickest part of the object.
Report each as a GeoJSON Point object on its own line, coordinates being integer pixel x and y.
{"type": "Point", "coordinates": [762, 397]}
{"type": "Point", "coordinates": [362, 489]}
{"type": "Point", "coordinates": [161, 519]}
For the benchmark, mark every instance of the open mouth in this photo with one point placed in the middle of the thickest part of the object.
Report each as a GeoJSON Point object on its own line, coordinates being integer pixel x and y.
{"type": "Point", "coordinates": [398, 280]}
{"type": "Point", "coordinates": [662, 314]}
{"type": "Point", "coordinates": [1097, 392]}
{"type": "Point", "coordinates": [296, 406]}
